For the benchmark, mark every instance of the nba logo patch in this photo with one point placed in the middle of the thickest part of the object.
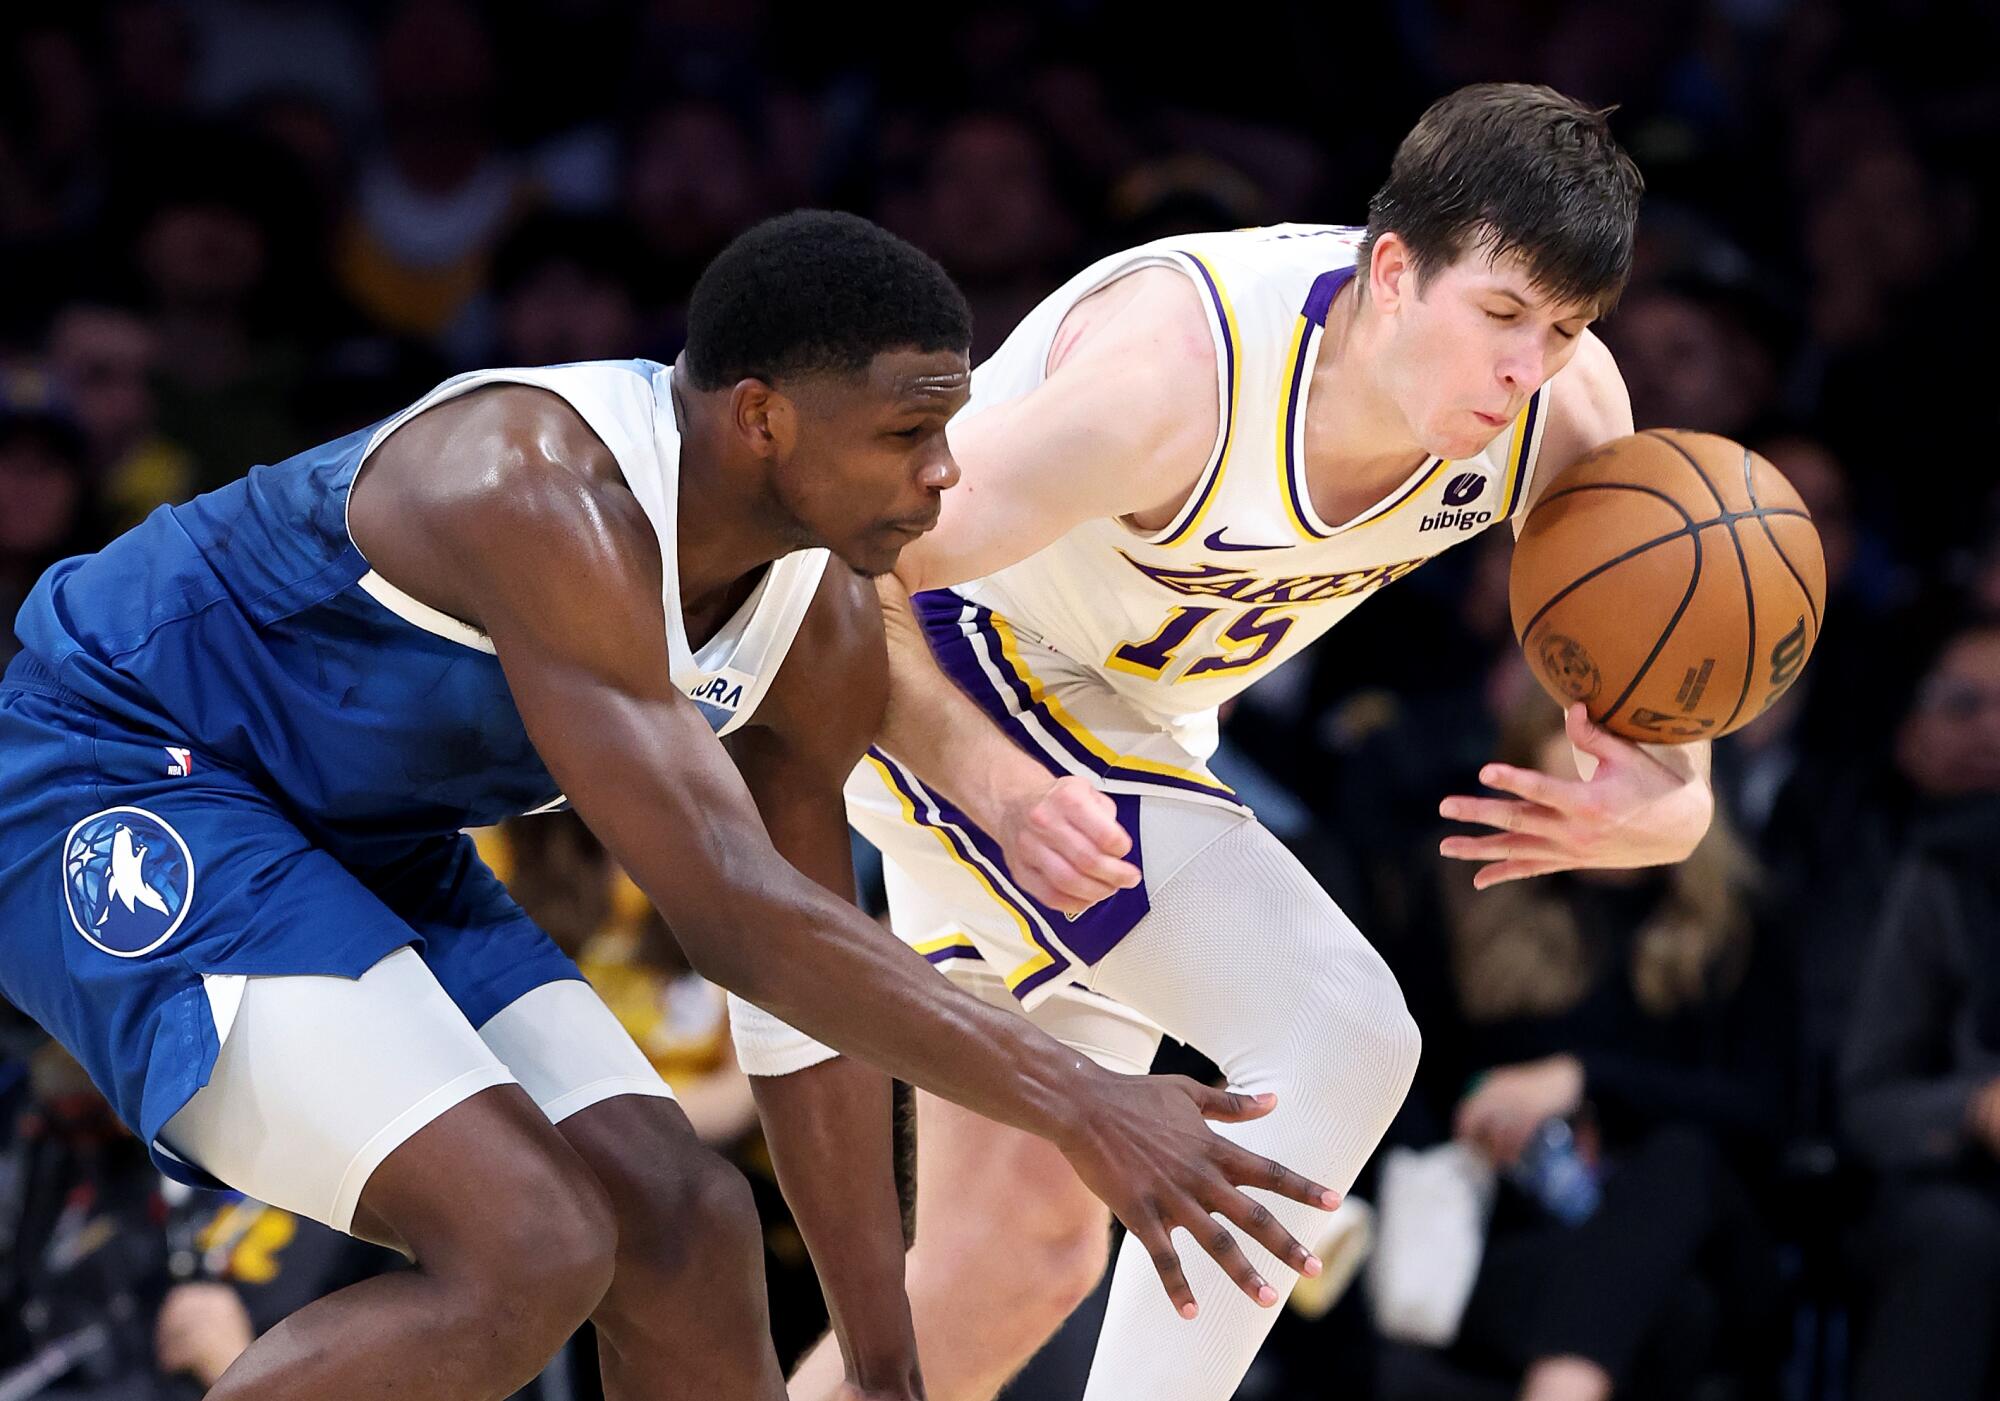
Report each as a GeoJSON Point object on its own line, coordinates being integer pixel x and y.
{"type": "Point", "coordinates": [127, 880]}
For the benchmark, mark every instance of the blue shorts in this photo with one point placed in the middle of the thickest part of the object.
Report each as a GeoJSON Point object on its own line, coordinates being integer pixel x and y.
{"type": "Point", "coordinates": [131, 867]}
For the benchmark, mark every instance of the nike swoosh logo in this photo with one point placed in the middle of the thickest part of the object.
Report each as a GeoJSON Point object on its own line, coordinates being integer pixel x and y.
{"type": "Point", "coordinates": [1216, 542]}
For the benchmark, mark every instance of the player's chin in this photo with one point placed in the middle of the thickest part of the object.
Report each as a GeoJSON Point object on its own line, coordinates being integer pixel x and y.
{"type": "Point", "coordinates": [875, 553]}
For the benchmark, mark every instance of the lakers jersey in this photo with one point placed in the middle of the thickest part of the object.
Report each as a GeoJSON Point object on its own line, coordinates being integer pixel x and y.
{"type": "Point", "coordinates": [1180, 619]}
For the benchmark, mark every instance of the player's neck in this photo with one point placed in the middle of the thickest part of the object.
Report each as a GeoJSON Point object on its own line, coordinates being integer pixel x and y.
{"type": "Point", "coordinates": [728, 524]}
{"type": "Point", "coordinates": [1355, 433]}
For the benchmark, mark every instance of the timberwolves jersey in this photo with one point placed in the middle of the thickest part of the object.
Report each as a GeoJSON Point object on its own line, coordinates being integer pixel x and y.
{"type": "Point", "coordinates": [230, 749]}
{"type": "Point", "coordinates": [246, 628]}
{"type": "Point", "coordinates": [1180, 619]}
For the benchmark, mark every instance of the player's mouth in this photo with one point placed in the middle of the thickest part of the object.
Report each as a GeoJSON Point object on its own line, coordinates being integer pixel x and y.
{"type": "Point", "coordinates": [1491, 420]}
{"type": "Point", "coordinates": [915, 527]}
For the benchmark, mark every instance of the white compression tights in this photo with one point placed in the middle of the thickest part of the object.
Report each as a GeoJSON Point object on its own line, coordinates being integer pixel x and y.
{"type": "Point", "coordinates": [1245, 958]}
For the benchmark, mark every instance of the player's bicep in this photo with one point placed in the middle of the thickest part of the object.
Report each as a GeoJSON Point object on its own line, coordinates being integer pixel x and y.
{"type": "Point", "coordinates": [573, 606]}
{"type": "Point", "coordinates": [1124, 426]}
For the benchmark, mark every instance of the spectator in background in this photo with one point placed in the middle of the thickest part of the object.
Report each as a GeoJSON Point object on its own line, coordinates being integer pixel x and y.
{"type": "Point", "coordinates": [440, 193]}
{"type": "Point", "coordinates": [1641, 1008]}
{"type": "Point", "coordinates": [104, 355]}
{"type": "Point", "coordinates": [230, 341]}
{"type": "Point", "coordinates": [695, 179]}
{"type": "Point", "coordinates": [47, 509]}
{"type": "Point", "coordinates": [563, 284]}
{"type": "Point", "coordinates": [1692, 357]}
{"type": "Point", "coordinates": [988, 208]}
{"type": "Point", "coordinates": [1920, 1072]}
{"type": "Point", "coordinates": [1841, 826]}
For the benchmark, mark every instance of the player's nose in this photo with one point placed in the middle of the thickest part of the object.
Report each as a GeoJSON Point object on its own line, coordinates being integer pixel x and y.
{"type": "Point", "coordinates": [939, 474]}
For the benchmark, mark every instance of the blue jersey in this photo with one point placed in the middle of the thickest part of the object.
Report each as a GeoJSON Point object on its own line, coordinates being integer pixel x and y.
{"type": "Point", "coordinates": [229, 747]}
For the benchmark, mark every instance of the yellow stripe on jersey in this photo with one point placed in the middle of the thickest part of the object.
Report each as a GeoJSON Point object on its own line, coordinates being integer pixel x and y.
{"type": "Point", "coordinates": [1232, 345]}
{"type": "Point", "coordinates": [1040, 959]}
{"type": "Point", "coordinates": [1055, 711]}
{"type": "Point", "coordinates": [1517, 453]}
{"type": "Point", "coordinates": [1288, 486]}
{"type": "Point", "coordinates": [948, 941]}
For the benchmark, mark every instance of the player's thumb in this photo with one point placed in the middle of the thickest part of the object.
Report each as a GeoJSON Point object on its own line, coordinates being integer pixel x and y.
{"type": "Point", "coordinates": [1587, 735]}
{"type": "Point", "coordinates": [1231, 1106]}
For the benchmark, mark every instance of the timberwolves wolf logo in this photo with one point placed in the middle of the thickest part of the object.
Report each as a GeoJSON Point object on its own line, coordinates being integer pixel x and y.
{"type": "Point", "coordinates": [127, 878]}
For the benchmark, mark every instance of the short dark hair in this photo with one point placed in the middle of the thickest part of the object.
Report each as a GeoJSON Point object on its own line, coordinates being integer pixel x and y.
{"type": "Point", "coordinates": [1515, 168]}
{"type": "Point", "coordinates": [814, 291]}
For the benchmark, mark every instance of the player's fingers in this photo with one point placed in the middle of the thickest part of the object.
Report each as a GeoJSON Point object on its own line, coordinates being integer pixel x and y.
{"type": "Point", "coordinates": [1255, 1220]}
{"type": "Point", "coordinates": [1090, 857]}
{"type": "Point", "coordinates": [1219, 1241]}
{"type": "Point", "coordinates": [1508, 846]}
{"type": "Point", "coordinates": [1095, 815]}
{"type": "Point", "coordinates": [1564, 795]}
{"type": "Point", "coordinates": [1247, 1169]}
{"type": "Point", "coordinates": [1508, 814]}
{"type": "Point", "coordinates": [1500, 872]}
{"type": "Point", "coordinates": [1156, 1234]}
{"type": "Point", "coordinates": [1063, 886]}
{"type": "Point", "coordinates": [1228, 1106]}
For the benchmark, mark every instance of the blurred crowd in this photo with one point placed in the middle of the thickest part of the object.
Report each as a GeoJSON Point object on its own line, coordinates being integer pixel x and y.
{"type": "Point", "coordinates": [1726, 1130]}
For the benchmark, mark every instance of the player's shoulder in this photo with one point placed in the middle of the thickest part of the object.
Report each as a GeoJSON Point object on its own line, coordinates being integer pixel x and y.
{"type": "Point", "coordinates": [1590, 388]}
{"type": "Point", "coordinates": [1588, 405]}
{"type": "Point", "coordinates": [1150, 322]}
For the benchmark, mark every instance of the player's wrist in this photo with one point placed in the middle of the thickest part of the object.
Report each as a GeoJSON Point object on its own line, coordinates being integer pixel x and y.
{"type": "Point", "coordinates": [1005, 785]}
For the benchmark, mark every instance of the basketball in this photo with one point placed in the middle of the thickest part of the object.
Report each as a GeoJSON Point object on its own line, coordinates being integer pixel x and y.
{"type": "Point", "coordinates": [1671, 581]}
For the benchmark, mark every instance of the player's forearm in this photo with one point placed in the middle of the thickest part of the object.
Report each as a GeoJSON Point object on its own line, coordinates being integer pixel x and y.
{"type": "Point", "coordinates": [832, 1139]}
{"type": "Point", "coordinates": [820, 965]}
{"type": "Point", "coordinates": [936, 729]}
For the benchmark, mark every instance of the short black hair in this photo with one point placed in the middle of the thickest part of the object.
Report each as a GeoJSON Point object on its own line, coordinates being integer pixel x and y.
{"type": "Point", "coordinates": [815, 291]}
{"type": "Point", "coordinates": [1515, 168]}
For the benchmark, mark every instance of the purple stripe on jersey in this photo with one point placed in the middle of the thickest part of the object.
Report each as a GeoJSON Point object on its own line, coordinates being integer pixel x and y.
{"type": "Point", "coordinates": [951, 951]}
{"type": "Point", "coordinates": [1319, 300]}
{"type": "Point", "coordinates": [1092, 934]}
{"type": "Point", "coordinates": [1192, 512]}
{"type": "Point", "coordinates": [950, 632]}
{"type": "Point", "coordinates": [1527, 446]}
{"type": "Point", "coordinates": [1026, 987]}
{"type": "Point", "coordinates": [957, 830]}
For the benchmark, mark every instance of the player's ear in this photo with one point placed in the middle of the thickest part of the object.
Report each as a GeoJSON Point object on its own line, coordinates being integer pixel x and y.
{"type": "Point", "coordinates": [1391, 273]}
{"type": "Point", "coordinates": [766, 420]}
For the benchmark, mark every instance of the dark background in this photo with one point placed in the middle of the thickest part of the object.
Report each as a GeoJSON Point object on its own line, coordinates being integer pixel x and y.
{"type": "Point", "coordinates": [230, 229]}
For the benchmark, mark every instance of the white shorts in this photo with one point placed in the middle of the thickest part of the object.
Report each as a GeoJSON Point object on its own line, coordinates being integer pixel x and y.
{"type": "Point", "coordinates": [321, 1078]}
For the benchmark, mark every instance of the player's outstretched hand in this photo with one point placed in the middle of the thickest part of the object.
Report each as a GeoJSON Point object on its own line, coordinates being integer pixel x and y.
{"type": "Point", "coordinates": [1065, 846]}
{"type": "Point", "coordinates": [1632, 811]}
{"type": "Point", "coordinates": [1141, 1144]}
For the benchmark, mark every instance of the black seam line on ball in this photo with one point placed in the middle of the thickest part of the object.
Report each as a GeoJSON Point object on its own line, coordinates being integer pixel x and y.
{"type": "Point", "coordinates": [1693, 527]}
{"type": "Point", "coordinates": [1750, 641]}
{"type": "Point", "coordinates": [1695, 467]}
{"type": "Point", "coordinates": [1660, 642]}
{"type": "Point", "coordinates": [1783, 558]}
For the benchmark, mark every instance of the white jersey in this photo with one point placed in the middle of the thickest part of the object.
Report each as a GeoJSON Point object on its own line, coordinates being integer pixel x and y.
{"type": "Point", "coordinates": [1106, 653]}
{"type": "Point", "coordinates": [628, 404]}
{"type": "Point", "coordinates": [1178, 620]}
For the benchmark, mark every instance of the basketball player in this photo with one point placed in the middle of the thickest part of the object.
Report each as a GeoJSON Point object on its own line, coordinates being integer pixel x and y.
{"type": "Point", "coordinates": [241, 743]}
{"type": "Point", "coordinates": [1185, 465]}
